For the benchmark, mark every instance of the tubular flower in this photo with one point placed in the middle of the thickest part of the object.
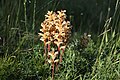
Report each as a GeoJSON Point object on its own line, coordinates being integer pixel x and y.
{"type": "Point", "coordinates": [55, 27]}
{"type": "Point", "coordinates": [53, 55]}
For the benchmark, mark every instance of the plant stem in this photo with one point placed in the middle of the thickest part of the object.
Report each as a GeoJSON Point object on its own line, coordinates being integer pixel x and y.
{"type": "Point", "coordinates": [48, 47]}
{"type": "Point", "coordinates": [45, 50]}
{"type": "Point", "coordinates": [48, 50]}
{"type": "Point", "coordinates": [58, 63]}
{"type": "Point", "coordinates": [53, 71]}
{"type": "Point", "coordinates": [61, 55]}
{"type": "Point", "coordinates": [25, 15]}
{"type": "Point", "coordinates": [33, 24]}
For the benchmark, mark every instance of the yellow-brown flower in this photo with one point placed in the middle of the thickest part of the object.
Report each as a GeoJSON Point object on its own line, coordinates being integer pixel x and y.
{"type": "Point", "coordinates": [56, 26]}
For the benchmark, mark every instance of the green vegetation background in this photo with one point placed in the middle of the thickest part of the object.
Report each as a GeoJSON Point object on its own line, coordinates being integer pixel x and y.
{"type": "Point", "coordinates": [21, 52]}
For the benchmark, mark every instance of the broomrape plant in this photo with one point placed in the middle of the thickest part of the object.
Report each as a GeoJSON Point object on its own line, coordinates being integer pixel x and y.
{"type": "Point", "coordinates": [55, 31]}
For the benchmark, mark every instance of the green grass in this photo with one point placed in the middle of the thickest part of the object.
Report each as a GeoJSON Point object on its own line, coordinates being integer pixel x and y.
{"type": "Point", "coordinates": [21, 52]}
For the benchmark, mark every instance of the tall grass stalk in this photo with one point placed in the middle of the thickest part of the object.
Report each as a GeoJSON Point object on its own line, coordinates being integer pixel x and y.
{"type": "Point", "coordinates": [25, 15]}
{"type": "Point", "coordinates": [105, 42]}
{"type": "Point", "coordinates": [33, 25]}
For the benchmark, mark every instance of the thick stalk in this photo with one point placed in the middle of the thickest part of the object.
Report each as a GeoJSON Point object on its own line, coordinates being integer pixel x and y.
{"type": "Point", "coordinates": [45, 50]}
{"type": "Point", "coordinates": [53, 71]}
{"type": "Point", "coordinates": [61, 55]}
{"type": "Point", "coordinates": [48, 50]}
{"type": "Point", "coordinates": [48, 47]}
{"type": "Point", "coordinates": [58, 54]}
